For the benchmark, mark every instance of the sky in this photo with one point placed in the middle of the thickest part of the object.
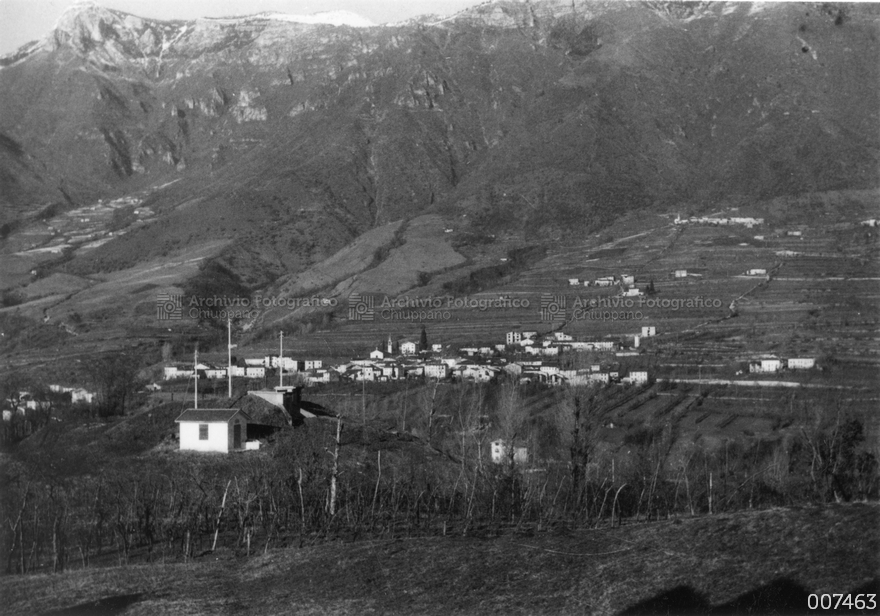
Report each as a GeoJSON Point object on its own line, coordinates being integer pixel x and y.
{"type": "Point", "coordinates": [22, 21]}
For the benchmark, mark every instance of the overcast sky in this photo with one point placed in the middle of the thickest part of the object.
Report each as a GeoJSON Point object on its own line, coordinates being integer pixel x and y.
{"type": "Point", "coordinates": [22, 21]}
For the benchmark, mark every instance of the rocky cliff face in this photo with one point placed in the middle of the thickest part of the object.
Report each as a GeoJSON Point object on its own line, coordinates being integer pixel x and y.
{"type": "Point", "coordinates": [550, 116]}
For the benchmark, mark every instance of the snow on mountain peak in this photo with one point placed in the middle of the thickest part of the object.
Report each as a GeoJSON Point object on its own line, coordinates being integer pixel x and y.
{"type": "Point", "coordinates": [333, 18]}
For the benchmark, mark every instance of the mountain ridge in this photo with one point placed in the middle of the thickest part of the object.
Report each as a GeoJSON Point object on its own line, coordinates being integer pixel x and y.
{"type": "Point", "coordinates": [282, 142]}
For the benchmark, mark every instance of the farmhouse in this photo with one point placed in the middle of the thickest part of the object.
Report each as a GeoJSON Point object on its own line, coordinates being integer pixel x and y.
{"type": "Point", "coordinates": [222, 430]}
{"type": "Point", "coordinates": [766, 365]}
{"type": "Point", "coordinates": [255, 372]}
{"type": "Point", "coordinates": [680, 273]}
{"type": "Point", "coordinates": [501, 453]}
{"type": "Point", "coordinates": [801, 363]}
{"type": "Point", "coordinates": [637, 377]}
{"type": "Point", "coordinates": [437, 370]}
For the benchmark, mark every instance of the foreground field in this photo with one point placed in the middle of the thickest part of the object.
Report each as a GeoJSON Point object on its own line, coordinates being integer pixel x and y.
{"type": "Point", "coordinates": [751, 562]}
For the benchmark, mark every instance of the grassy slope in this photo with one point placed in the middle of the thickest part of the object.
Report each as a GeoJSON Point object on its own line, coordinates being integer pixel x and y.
{"type": "Point", "coordinates": [721, 558]}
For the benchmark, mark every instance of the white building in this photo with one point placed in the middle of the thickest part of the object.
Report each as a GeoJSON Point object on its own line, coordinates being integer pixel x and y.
{"type": "Point", "coordinates": [222, 430]}
{"type": "Point", "coordinates": [756, 272]}
{"type": "Point", "coordinates": [766, 366]}
{"type": "Point", "coordinates": [408, 348]}
{"type": "Point", "coordinates": [627, 279]}
{"type": "Point", "coordinates": [435, 348]}
{"type": "Point", "coordinates": [649, 330]}
{"type": "Point", "coordinates": [173, 372]}
{"type": "Point", "coordinates": [501, 453]}
{"type": "Point", "coordinates": [801, 363]}
{"type": "Point", "coordinates": [573, 282]}
{"type": "Point", "coordinates": [632, 292]}
{"type": "Point", "coordinates": [637, 377]}
{"type": "Point", "coordinates": [377, 354]}
{"type": "Point", "coordinates": [255, 372]}
{"type": "Point", "coordinates": [680, 273]}
{"type": "Point", "coordinates": [513, 337]}
{"type": "Point", "coordinates": [437, 370]}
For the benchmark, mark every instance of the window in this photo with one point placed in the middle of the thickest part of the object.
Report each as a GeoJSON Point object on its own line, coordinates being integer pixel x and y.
{"type": "Point", "coordinates": [203, 432]}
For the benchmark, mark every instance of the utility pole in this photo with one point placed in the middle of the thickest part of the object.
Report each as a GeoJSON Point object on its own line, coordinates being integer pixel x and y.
{"type": "Point", "coordinates": [281, 359]}
{"type": "Point", "coordinates": [196, 377]}
{"type": "Point", "coordinates": [230, 346]}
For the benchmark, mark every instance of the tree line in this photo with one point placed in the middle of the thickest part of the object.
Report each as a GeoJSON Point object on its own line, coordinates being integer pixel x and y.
{"type": "Point", "coordinates": [350, 478]}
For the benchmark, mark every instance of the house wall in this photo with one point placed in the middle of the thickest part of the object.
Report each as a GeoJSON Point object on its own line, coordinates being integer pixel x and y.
{"type": "Point", "coordinates": [230, 434]}
{"type": "Point", "coordinates": [219, 436]}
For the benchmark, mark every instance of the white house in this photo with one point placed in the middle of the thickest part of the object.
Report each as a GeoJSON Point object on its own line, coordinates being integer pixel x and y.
{"type": "Point", "coordinates": [435, 348]}
{"type": "Point", "coordinates": [680, 273]}
{"type": "Point", "coordinates": [377, 354]}
{"type": "Point", "coordinates": [801, 363]}
{"type": "Point", "coordinates": [313, 364]}
{"type": "Point", "coordinates": [573, 282]}
{"type": "Point", "coordinates": [222, 430]}
{"type": "Point", "coordinates": [255, 372]}
{"type": "Point", "coordinates": [173, 372]}
{"type": "Point", "coordinates": [501, 453]}
{"type": "Point", "coordinates": [766, 365]}
{"type": "Point", "coordinates": [627, 278]}
{"type": "Point", "coordinates": [637, 377]}
{"type": "Point", "coordinates": [437, 370]}
{"type": "Point", "coordinates": [632, 292]}
{"type": "Point", "coordinates": [513, 337]}
{"type": "Point", "coordinates": [649, 330]}
{"type": "Point", "coordinates": [756, 272]}
{"type": "Point", "coordinates": [408, 347]}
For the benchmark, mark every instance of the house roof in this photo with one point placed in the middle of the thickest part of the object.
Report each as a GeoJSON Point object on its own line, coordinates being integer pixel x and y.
{"type": "Point", "coordinates": [211, 415]}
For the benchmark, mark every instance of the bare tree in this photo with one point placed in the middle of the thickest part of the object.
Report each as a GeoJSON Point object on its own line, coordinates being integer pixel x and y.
{"type": "Point", "coordinates": [115, 378]}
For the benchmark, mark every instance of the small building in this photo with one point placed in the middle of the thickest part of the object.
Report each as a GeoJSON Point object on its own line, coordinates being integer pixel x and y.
{"type": "Point", "coordinates": [573, 282]}
{"type": "Point", "coordinates": [222, 430]}
{"type": "Point", "coordinates": [801, 363]}
{"type": "Point", "coordinates": [766, 366]}
{"type": "Point", "coordinates": [680, 273]}
{"type": "Point", "coordinates": [435, 348]}
{"type": "Point", "coordinates": [255, 372]}
{"type": "Point", "coordinates": [756, 272]}
{"type": "Point", "coordinates": [632, 292]}
{"type": "Point", "coordinates": [408, 347]}
{"type": "Point", "coordinates": [513, 337]}
{"type": "Point", "coordinates": [627, 279]}
{"type": "Point", "coordinates": [649, 330]}
{"type": "Point", "coordinates": [377, 354]}
{"type": "Point", "coordinates": [637, 377]}
{"type": "Point", "coordinates": [501, 453]}
{"type": "Point", "coordinates": [794, 233]}
{"type": "Point", "coordinates": [436, 370]}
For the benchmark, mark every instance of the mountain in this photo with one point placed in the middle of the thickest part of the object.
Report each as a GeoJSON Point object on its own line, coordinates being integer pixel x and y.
{"type": "Point", "coordinates": [271, 142]}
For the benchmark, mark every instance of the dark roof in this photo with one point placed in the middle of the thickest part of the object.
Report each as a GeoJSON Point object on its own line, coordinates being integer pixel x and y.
{"type": "Point", "coordinates": [208, 415]}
